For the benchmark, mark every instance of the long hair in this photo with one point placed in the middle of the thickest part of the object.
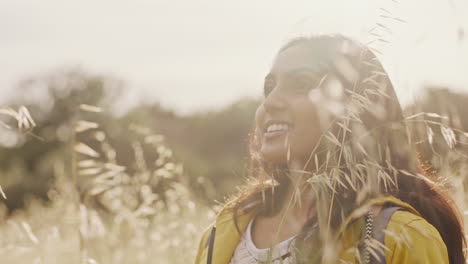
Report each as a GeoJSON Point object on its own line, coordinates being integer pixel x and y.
{"type": "Point", "coordinates": [366, 152]}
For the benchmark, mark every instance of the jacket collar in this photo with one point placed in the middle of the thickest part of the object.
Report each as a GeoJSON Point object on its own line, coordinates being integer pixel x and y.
{"type": "Point", "coordinates": [227, 236]}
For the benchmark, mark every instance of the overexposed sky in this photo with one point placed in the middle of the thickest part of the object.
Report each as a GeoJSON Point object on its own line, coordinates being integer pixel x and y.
{"type": "Point", "coordinates": [193, 55]}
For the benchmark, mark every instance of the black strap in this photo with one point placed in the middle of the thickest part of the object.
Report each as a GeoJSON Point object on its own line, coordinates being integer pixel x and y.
{"type": "Point", "coordinates": [210, 245]}
{"type": "Point", "coordinates": [378, 231]}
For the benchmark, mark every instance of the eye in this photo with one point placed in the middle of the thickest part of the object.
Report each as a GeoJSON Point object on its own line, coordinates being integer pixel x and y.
{"type": "Point", "coordinates": [268, 86]}
{"type": "Point", "coordinates": [300, 84]}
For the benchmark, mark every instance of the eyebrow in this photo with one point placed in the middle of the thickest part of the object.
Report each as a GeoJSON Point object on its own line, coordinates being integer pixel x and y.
{"type": "Point", "coordinates": [303, 69]}
{"type": "Point", "coordinates": [307, 70]}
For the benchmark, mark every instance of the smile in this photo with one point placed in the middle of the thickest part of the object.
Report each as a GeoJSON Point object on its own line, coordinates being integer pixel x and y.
{"type": "Point", "coordinates": [276, 129]}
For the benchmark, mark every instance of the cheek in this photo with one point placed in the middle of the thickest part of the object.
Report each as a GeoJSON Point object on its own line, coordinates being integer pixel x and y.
{"type": "Point", "coordinates": [308, 127]}
{"type": "Point", "coordinates": [318, 116]}
{"type": "Point", "coordinates": [307, 114]}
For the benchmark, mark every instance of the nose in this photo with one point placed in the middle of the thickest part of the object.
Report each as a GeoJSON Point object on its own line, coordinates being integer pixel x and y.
{"type": "Point", "coordinates": [274, 101]}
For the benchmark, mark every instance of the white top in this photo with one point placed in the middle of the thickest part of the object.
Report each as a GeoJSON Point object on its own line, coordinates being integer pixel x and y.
{"type": "Point", "coordinates": [247, 253]}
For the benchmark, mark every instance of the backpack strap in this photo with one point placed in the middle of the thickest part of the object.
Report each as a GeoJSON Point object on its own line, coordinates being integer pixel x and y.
{"type": "Point", "coordinates": [210, 245]}
{"type": "Point", "coordinates": [378, 231]}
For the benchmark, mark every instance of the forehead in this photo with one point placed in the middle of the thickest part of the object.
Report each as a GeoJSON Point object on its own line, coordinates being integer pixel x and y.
{"type": "Point", "coordinates": [315, 58]}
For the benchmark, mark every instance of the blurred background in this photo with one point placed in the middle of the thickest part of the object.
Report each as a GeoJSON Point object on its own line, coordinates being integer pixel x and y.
{"type": "Point", "coordinates": [142, 110]}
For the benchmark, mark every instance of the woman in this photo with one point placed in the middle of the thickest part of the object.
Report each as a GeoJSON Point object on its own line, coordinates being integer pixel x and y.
{"type": "Point", "coordinates": [336, 175]}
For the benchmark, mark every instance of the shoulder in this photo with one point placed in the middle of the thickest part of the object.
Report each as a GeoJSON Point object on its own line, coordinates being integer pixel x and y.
{"type": "Point", "coordinates": [226, 235]}
{"type": "Point", "coordinates": [206, 233]}
{"type": "Point", "coordinates": [409, 223]}
{"type": "Point", "coordinates": [202, 244]}
{"type": "Point", "coordinates": [412, 239]}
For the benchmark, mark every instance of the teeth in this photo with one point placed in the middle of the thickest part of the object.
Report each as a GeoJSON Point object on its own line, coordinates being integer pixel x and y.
{"type": "Point", "coordinates": [277, 127]}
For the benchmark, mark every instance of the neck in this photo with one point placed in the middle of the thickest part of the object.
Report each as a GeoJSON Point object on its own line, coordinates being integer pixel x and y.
{"type": "Point", "coordinates": [299, 199]}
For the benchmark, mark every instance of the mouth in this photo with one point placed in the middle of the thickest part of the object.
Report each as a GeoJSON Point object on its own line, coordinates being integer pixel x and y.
{"type": "Point", "coordinates": [274, 128]}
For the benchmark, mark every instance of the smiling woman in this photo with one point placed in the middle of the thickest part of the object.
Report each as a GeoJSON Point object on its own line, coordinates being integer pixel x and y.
{"type": "Point", "coordinates": [335, 176]}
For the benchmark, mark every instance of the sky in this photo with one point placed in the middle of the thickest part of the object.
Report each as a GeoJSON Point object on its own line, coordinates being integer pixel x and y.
{"type": "Point", "coordinates": [205, 54]}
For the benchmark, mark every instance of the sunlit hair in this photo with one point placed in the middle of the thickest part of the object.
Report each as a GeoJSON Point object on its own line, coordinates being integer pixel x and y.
{"type": "Point", "coordinates": [366, 152]}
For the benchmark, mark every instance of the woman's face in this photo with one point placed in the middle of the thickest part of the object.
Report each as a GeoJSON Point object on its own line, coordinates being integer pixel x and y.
{"type": "Point", "coordinates": [288, 120]}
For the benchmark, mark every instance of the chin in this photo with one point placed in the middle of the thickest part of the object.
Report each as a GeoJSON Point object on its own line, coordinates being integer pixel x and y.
{"type": "Point", "coordinates": [274, 158]}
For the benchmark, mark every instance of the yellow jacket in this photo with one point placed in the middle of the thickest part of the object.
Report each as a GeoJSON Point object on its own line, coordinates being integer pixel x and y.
{"type": "Point", "coordinates": [409, 238]}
